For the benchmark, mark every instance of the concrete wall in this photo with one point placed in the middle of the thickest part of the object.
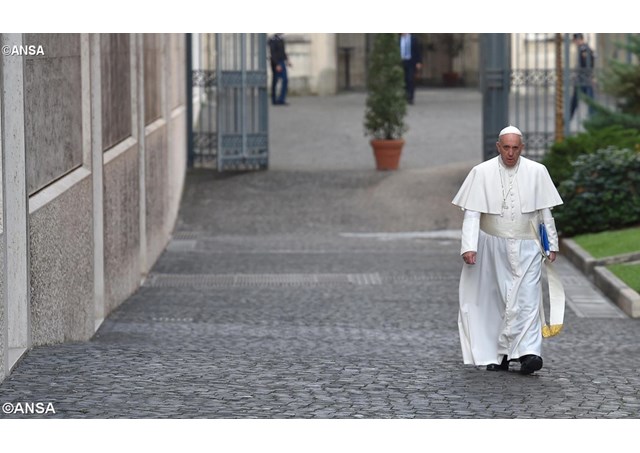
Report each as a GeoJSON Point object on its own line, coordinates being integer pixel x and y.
{"type": "Point", "coordinates": [3, 324]}
{"type": "Point", "coordinates": [115, 60]}
{"type": "Point", "coordinates": [104, 129]}
{"type": "Point", "coordinates": [3, 319]}
{"type": "Point", "coordinates": [61, 270]}
{"type": "Point", "coordinates": [177, 114]}
{"type": "Point", "coordinates": [157, 171]}
{"type": "Point", "coordinates": [122, 248]}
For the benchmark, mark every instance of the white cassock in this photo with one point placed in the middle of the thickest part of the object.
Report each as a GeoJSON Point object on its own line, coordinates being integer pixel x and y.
{"type": "Point", "coordinates": [501, 295]}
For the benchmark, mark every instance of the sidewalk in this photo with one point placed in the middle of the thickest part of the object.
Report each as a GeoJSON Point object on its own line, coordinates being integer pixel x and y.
{"type": "Point", "coordinates": [324, 289]}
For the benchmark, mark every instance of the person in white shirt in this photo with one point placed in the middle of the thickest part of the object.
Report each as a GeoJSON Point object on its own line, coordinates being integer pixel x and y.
{"type": "Point", "coordinates": [411, 54]}
{"type": "Point", "coordinates": [501, 316]}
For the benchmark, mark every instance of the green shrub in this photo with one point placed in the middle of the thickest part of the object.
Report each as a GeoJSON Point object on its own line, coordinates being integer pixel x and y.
{"type": "Point", "coordinates": [386, 105]}
{"type": "Point", "coordinates": [603, 193]}
{"type": "Point", "coordinates": [562, 154]}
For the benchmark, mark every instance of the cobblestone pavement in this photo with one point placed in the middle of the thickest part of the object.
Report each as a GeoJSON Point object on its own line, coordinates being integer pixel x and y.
{"type": "Point", "coordinates": [273, 301]}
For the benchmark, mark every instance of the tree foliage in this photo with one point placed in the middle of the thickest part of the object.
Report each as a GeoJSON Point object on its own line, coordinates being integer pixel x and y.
{"type": "Point", "coordinates": [622, 81]}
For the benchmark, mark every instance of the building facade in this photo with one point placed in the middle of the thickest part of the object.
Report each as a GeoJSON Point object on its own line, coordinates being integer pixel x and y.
{"type": "Point", "coordinates": [329, 63]}
{"type": "Point", "coordinates": [333, 63]}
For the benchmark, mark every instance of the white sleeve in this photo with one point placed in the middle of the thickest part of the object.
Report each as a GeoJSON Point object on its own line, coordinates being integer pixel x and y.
{"type": "Point", "coordinates": [470, 231]}
{"type": "Point", "coordinates": [550, 223]}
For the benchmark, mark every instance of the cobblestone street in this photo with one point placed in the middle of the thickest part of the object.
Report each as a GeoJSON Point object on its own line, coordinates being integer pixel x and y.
{"type": "Point", "coordinates": [310, 294]}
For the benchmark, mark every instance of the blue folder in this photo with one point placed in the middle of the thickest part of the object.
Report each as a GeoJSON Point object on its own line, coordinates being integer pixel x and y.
{"type": "Point", "coordinates": [544, 239]}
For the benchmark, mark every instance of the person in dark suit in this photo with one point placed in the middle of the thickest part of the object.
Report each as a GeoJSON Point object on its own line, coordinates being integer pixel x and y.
{"type": "Point", "coordinates": [411, 53]}
{"type": "Point", "coordinates": [584, 72]}
{"type": "Point", "coordinates": [279, 63]}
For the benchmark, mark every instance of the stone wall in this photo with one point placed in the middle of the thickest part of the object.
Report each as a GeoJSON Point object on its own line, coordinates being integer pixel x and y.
{"type": "Point", "coordinates": [104, 123]}
{"type": "Point", "coordinates": [51, 84]}
{"type": "Point", "coordinates": [115, 61]}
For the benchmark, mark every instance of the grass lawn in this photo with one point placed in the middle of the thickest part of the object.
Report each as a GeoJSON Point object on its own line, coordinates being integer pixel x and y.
{"type": "Point", "coordinates": [610, 243]}
{"type": "Point", "coordinates": [628, 273]}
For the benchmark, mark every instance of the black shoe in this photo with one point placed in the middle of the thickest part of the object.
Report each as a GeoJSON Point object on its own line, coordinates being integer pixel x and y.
{"type": "Point", "coordinates": [504, 366]}
{"type": "Point", "coordinates": [530, 363]}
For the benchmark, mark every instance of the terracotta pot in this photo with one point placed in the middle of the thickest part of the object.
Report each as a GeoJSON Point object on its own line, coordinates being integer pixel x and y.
{"type": "Point", "coordinates": [387, 153]}
{"type": "Point", "coordinates": [451, 79]}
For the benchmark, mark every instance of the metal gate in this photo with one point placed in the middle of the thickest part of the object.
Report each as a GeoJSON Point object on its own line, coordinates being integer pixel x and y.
{"type": "Point", "coordinates": [227, 101]}
{"type": "Point", "coordinates": [528, 80]}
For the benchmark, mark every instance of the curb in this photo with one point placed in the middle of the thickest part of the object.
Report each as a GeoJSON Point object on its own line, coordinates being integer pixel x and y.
{"type": "Point", "coordinates": [624, 297]}
{"type": "Point", "coordinates": [615, 289]}
{"type": "Point", "coordinates": [578, 256]}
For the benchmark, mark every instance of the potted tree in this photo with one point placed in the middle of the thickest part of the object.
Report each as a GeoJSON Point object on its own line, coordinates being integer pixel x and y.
{"type": "Point", "coordinates": [453, 45]}
{"type": "Point", "coordinates": [386, 105]}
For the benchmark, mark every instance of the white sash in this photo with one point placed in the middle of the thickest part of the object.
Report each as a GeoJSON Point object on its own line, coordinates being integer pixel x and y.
{"type": "Point", "coordinates": [556, 295]}
{"type": "Point", "coordinates": [528, 230]}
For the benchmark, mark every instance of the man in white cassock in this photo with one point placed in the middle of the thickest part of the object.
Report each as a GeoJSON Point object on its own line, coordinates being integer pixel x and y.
{"type": "Point", "coordinates": [501, 313]}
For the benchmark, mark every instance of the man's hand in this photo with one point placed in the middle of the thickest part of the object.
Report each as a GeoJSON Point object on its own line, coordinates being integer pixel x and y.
{"type": "Point", "coordinates": [470, 257]}
{"type": "Point", "coordinates": [552, 256]}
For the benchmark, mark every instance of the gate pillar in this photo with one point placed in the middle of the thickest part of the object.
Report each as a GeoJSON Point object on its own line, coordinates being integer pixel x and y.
{"type": "Point", "coordinates": [495, 81]}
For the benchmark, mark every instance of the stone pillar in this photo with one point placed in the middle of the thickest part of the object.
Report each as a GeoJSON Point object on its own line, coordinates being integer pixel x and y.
{"type": "Point", "coordinates": [97, 171]}
{"type": "Point", "coordinates": [165, 81]}
{"type": "Point", "coordinates": [324, 63]}
{"type": "Point", "coordinates": [495, 83]}
{"type": "Point", "coordinates": [17, 315]}
{"type": "Point", "coordinates": [138, 128]}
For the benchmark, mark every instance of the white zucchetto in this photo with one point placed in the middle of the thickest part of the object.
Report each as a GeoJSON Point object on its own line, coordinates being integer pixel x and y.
{"type": "Point", "coordinates": [510, 130]}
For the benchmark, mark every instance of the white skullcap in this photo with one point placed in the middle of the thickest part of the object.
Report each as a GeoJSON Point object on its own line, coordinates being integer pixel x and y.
{"type": "Point", "coordinates": [510, 130]}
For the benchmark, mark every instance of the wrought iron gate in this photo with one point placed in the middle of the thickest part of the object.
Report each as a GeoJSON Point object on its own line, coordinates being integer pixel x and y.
{"type": "Point", "coordinates": [227, 99]}
{"type": "Point", "coordinates": [528, 79]}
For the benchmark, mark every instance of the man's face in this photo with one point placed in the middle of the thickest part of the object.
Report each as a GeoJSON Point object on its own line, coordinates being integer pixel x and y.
{"type": "Point", "coordinates": [510, 146]}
